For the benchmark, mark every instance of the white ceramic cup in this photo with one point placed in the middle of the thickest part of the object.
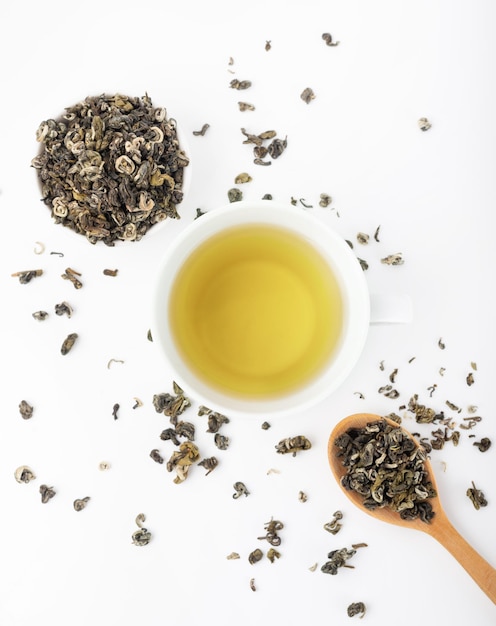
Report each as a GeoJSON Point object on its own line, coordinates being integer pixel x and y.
{"type": "Point", "coordinates": [345, 267]}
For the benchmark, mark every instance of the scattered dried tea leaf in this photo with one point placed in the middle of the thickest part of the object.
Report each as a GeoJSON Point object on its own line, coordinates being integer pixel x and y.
{"type": "Point", "coordinates": [47, 493]}
{"type": "Point", "coordinates": [240, 490]}
{"type": "Point", "coordinates": [337, 559]}
{"type": "Point", "coordinates": [245, 106]}
{"type": "Point", "coordinates": [142, 536]}
{"type": "Point", "coordinates": [325, 200]}
{"type": "Point", "coordinates": [68, 343]}
{"type": "Point", "coordinates": [239, 84]}
{"type": "Point", "coordinates": [40, 316]}
{"type": "Point", "coordinates": [72, 276]}
{"type": "Point", "coordinates": [171, 405]}
{"type": "Point", "coordinates": [221, 441]}
{"type": "Point", "coordinates": [215, 419]}
{"type": "Point", "coordinates": [255, 556]}
{"type": "Point", "coordinates": [156, 456]}
{"type": "Point", "coordinates": [26, 410]}
{"type": "Point", "coordinates": [202, 131]}
{"type": "Point", "coordinates": [182, 460]}
{"type": "Point", "coordinates": [393, 259]}
{"type": "Point", "coordinates": [393, 417]}
{"type": "Point", "coordinates": [63, 308]}
{"type": "Point", "coordinates": [389, 392]}
{"type": "Point", "coordinates": [469, 422]}
{"type": "Point", "coordinates": [431, 389]}
{"type": "Point", "coordinates": [334, 526]}
{"type": "Point", "coordinates": [453, 406]}
{"type": "Point", "coordinates": [242, 178]}
{"type": "Point", "coordinates": [80, 503]}
{"type": "Point", "coordinates": [209, 464]}
{"type": "Point", "coordinates": [307, 95]}
{"type": "Point", "coordinates": [302, 496]}
{"type": "Point", "coordinates": [273, 554]}
{"type": "Point", "coordinates": [235, 194]}
{"type": "Point", "coordinates": [27, 275]}
{"type": "Point", "coordinates": [440, 437]}
{"type": "Point", "coordinates": [24, 474]}
{"type": "Point", "coordinates": [423, 414]}
{"type": "Point", "coordinates": [272, 527]}
{"type": "Point", "coordinates": [276, 147]}
{"type": "Point", "coordinates": [327, 37]}
{"type": "Point", "coordinates": [356, 608]}
{"type": "Point", "coordinates": [484, 444]}
{"type": "Point", "coordinates": [476, 496]}
{"type": "Point", "coordinates": [293, 445]}
{"type": "Point", "coordinates": [424, 124]}
{"type": "Point", "coordinates": [113, 361]}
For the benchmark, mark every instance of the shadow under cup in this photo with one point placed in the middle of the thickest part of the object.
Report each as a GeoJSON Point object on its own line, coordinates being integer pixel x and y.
{"type": "Point", "coordinates": [260, 309]}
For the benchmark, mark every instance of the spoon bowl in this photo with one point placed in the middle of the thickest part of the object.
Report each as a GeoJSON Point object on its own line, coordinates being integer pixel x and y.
{"type": "Point", "coordinates": [440, 528]}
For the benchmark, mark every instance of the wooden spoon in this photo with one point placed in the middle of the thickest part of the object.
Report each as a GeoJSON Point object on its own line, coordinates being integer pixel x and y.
{"type": "Point", "coordinates": [440, 527]}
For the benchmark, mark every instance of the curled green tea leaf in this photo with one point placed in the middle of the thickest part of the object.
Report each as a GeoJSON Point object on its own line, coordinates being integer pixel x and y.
{"type": "Point", "coordinates": [46, 493]}
{"type": "Point", "coordinates": [337, 559]}
{"type": "Point", "coordinates": [356, 608]}
{"type": "Point", "coordinates": [255, 556]}
{"type": "Point", "coordinates": [24, 474]}
{"type": "Point", "coordinates": [80, 503]}
{"type": "Point", "coordinates": [68, 343]}
{"type": "Point", "coordinates": [477, 497]}
{"type": "Point", "coordinates": [26, 410]}
{"type": "Point", "coordinates": [292, 445]}
{"type": "Point", "coordinates": [27, 275]}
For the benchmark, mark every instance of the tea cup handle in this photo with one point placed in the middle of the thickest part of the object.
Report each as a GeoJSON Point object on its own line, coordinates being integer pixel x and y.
{"type": "Point", "coordinates": [390, 309]}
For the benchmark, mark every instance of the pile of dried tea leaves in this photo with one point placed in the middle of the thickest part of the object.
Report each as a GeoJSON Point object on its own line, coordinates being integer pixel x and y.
{"type": "Point", "coordinates": [111, 167]}
{"type": "Point", "coordinates": [386, 466]}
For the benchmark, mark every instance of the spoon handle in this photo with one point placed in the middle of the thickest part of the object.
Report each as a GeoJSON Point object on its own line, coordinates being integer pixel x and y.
{"type": "Point", "coordinates": [478, 568]}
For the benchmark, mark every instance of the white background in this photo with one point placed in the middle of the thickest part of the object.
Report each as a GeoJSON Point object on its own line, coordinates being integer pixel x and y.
{"type": "Point", "coordinates": [433, 194]}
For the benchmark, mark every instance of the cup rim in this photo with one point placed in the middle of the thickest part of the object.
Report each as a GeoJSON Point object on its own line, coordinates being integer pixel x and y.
{"type": "Point", "coordinates": [357, 306]}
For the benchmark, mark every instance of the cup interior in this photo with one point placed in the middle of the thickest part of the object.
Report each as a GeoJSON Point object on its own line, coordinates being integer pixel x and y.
{"type": "Point", "coordinates": [343, 264]}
